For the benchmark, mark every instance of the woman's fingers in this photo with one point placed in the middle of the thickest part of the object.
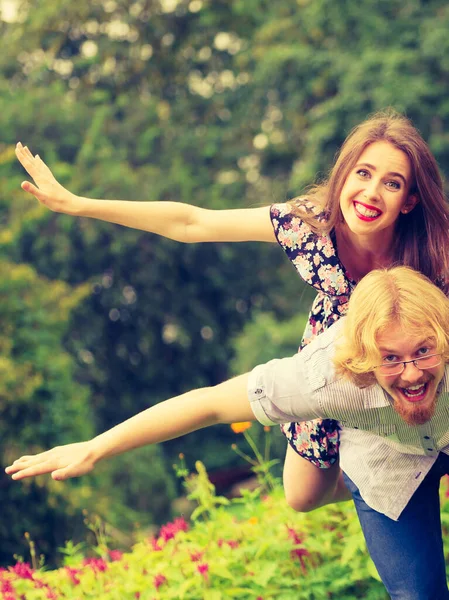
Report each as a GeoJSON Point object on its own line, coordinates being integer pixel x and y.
{"type": "Point", "coordinates": [33, 164]}
{"type": "Point", "coordinates": [28, 152]}
{"type": "Point", "coordinates": [29, 187]}
{"type": "Point", "coordinates": [45, 187]}
{"type": "Point", "coordinates": [26, 159]}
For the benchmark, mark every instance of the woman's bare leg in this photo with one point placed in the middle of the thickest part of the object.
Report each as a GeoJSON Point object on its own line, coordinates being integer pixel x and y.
{"type": "Point", "coordinates": [307, 487]}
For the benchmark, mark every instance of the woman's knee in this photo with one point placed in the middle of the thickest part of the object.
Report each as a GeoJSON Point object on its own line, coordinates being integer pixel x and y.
{"type": "Point", "coordinates": [306, 486]}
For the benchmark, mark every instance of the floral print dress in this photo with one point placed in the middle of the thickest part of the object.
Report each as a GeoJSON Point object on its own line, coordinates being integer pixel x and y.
{"type": "Point", "coordinates": [315, 258]}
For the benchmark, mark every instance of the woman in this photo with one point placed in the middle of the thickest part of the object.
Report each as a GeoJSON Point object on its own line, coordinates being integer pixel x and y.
{"type": "Point", "coordinates": [383, 203]}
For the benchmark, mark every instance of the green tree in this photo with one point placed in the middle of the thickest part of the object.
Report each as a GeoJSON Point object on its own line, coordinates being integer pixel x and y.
{"type": "Point", "coordinates": [40, 403]}
{"type": "Point", "coordinates": [223, 104]}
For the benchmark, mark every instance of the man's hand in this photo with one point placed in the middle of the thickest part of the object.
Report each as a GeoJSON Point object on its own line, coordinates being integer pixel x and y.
{"type": "Point", "coordinates": [47, 190]}
{"type": "Point", "coordinates": [63, 462]}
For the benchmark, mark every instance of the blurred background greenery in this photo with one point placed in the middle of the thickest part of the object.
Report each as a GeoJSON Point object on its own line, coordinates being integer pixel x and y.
{"type": "Point", "coordinates": [219, 103]}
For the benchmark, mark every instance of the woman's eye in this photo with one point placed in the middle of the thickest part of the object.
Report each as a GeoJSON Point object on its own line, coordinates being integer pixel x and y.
{"type": "Point", "coordinates": [394, 185]}
{"type": "Point", "coordinates": [363, 173]}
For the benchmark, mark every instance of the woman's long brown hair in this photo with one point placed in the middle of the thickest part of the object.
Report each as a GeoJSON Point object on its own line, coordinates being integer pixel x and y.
{"type": "Point", "coordinates": [422, 235]}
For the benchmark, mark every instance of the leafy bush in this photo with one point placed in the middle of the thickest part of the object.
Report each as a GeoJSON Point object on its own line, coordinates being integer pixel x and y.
{"type": "Point", "coordinates": [253, 547]}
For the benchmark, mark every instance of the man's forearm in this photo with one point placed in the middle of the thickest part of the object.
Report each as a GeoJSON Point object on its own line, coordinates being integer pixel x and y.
{"type": "Point", "coordinates": [193, 410]}
{"type": "Point", "coordinates": [224, 403]}
{"type": "Point", "coordinates": [164, 421]}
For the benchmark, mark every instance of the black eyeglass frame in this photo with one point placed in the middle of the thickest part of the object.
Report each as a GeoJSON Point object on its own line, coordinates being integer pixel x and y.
{"type": "Point", "coordinates": [406, 362]}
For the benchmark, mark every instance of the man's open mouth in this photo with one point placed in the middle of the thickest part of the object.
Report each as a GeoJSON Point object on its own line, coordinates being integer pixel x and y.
{"type": "Point", "coordinates": [414, 393]}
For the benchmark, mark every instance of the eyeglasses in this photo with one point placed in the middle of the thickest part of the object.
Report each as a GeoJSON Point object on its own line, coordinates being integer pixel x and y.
{"type": "Point", "coordinates": [396, 368]}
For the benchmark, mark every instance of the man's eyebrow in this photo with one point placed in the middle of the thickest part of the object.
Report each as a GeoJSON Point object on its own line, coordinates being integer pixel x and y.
{"type": "Point", "coordinates": [390, 173]}
{"type": "Point", "coordinates": [424, 342]}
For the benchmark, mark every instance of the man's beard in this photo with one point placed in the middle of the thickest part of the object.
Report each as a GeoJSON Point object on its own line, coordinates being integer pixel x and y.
{"type": "Point", "coordinates": [414, 415]}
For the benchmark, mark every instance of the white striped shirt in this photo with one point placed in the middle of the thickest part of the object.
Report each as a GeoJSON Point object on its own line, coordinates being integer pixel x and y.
{"type": "Point", "coordinates": [385, 457]}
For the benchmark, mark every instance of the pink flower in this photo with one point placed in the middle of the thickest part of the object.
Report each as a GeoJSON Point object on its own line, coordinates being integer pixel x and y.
{"type": "Point", "coordinates": [115, 555]}
{"type": "Point", "coordinates": [73, 574]}
{"type": "Point", "coordinates": [233, 543]}
{"type": "Point", "coordinates": [298, 553]}
{"type": "Point", "coordinates": [202, 569]}
{"type": "Point", "coordinates": [154, 544]}
{"type": "Point", "coordinates": [169, 530]}
{"type": "Point", "coordinates": [159, 580]}
{"type": "Point", "coordinates": [6, 588]}
{"type": "Point", "coordinates": [196, 556]}
{"type": "Point", "coordinates": [96, 564]}
{"type": "Point", "coordinates": [294, 535]}
{"type": "Point", "coordinates": [22, 570]}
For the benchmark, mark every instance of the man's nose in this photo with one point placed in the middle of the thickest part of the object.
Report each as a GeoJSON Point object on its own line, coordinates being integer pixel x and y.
{"type": "Point", "coordinates": [411, 373]}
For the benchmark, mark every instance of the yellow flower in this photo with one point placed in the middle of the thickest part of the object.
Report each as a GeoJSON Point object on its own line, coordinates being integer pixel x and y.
{"type": "Point", "coordinates": [241, 427]}
{"type": "Point", "coordinates": [253, 520]}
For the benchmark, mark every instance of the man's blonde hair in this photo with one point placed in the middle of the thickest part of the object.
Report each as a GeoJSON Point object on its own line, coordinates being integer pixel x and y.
{"type": "Point", "coordinates": [384, 298]}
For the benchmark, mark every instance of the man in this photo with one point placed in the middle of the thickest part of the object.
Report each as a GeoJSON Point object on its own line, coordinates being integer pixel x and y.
{"type": "Point", "coordinates": [382, 373]}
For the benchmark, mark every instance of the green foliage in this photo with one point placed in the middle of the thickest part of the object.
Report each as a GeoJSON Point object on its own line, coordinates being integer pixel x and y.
{"type": "Point", "coordinates": [202, 491]}
{"type": "Point", "coordinates": [231, 103]}
{"type": "Point", "coordinates": [267, 551]}
{"type": "Point", "coordinates": [41, 405]}
{"type": "Point", "coordinates": [264, 338]}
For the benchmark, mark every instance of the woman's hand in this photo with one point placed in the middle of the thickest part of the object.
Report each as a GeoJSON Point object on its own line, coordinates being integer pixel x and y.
{"type": "Point", "coordinates": [47, 190]}
{"type": "Point", "coordinates": [63, 462]}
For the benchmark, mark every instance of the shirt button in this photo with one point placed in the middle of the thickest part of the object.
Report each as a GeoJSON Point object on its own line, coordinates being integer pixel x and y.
{"type": "Point", "coordinates": [426, 437]}
{"type": "Point", "coordinates": [430, 449]}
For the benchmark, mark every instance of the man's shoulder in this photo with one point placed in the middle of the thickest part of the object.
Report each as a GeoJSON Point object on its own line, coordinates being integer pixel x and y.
{"type": "Point", "coordinates": [317, 358]}
{"type": "Point", "coordinates": [325, 342]}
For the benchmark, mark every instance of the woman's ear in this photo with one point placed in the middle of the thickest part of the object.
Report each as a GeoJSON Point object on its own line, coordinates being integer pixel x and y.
{"type": "Point", "coordinates": [410, 204]}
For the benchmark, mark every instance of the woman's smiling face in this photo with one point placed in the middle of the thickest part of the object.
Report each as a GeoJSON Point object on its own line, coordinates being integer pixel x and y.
{"type": "Point", "coordinates": [377, 190]}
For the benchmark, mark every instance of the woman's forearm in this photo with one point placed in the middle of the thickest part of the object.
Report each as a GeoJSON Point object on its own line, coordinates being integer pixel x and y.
{"type": "Point", "coordinates": [169, 219]}
{"type": "Point", "coordinates": [183, 222]}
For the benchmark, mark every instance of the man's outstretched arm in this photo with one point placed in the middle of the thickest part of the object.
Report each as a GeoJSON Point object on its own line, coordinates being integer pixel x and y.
{"type": "Point", "coordinates": [224, 403]}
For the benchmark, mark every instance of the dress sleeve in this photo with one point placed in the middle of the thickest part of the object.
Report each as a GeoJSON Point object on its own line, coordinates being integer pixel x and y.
{"type": "Point", "coordinates": [313, 255]}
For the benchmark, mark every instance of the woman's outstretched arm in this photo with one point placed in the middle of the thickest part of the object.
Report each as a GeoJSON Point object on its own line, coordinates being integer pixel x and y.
{"type": "Point", "coordinates": [175, 220]}
{"type": "Point", "coordinates": [224, 403]}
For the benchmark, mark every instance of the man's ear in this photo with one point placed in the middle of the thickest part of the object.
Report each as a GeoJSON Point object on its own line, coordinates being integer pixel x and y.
{"type": "Point", "coordinates": [410, 204]}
